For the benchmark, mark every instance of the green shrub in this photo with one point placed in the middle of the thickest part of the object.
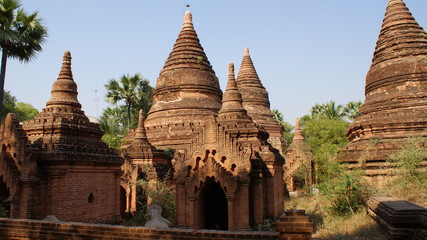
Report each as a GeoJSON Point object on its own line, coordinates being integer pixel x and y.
{"type": "Point", "coordinates": [347, 193]}
{"type": "Point", "coordinates": [410, 181]}
{"type": "Point", "coordinates": [154, 190]}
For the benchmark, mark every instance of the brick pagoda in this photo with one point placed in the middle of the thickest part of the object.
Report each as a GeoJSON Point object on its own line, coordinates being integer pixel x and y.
{"type": "Point", "coordinates": [226, 174]}
{"type": "Point", "coordinates": [395, 105]}
{"type": "Point", "coordinates": [56, 164]}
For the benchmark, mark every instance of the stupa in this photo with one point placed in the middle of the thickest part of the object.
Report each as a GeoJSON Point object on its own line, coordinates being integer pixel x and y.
{"type": "Point", "coordinates": [395, 105]}
{"type": "Point", "coordinates": [256, 101]}
{"type": "Point", "coordinates": [187, 92]}
{"type": "Point", "coordinates": [56, 164]}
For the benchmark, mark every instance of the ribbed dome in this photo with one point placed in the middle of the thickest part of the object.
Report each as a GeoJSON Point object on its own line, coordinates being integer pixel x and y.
{"type": "Point", "coordinates": [187, 51]}
{"type": "Point", "coordinates": [187, 85]}
{"type": "Point", "coordinates": [401, 47]}
{"type": "Point", "coordinates": [64, 89]}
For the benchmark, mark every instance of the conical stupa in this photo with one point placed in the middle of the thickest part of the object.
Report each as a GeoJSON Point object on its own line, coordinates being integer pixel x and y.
{"type": "Point", "coordinates": [395, 105]}
{"type": "Point", "coordinates": [187, 90]}
{"type": "Point", "coordinates": [256, 102]}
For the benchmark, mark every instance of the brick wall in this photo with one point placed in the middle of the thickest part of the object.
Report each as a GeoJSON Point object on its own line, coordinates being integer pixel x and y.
{"type": "Point", "coordinates": [12, 229]}
{"type": "Point", "coordinates": [32, 229]}
{"type": "Point", "coordinates": [69, 194]}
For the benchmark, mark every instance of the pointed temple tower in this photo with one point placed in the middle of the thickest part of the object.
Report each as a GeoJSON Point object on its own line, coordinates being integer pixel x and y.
{"type": "Point", "coordinates": [56, 164]}
{"type": "Point", "coordinates": [234, 178]}
{"type": "Point", "coordinates": [256, 102]}
{"type": "Point", "coordinates": [187, 92]}
{"type": "Point", "coordinates": [395, 104]}
{"type": "Point", "coordinates": [297, 159]}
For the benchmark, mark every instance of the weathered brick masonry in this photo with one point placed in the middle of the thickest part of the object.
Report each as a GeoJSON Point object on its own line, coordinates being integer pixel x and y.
{"type": "Point", "coordinates": [295, 225]}
{"type": "Point", "coordinates": [56, 163]}
{"type": "Point", "coordinates": [395, 103]}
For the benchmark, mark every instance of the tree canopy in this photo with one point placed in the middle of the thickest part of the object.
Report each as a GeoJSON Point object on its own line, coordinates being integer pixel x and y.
{"type": "Point", "coordinates": [23, 111]}
{"type": "Point", "coordinates": [21, 36]}
{"type": "Point", "coordinates": [134, 91]}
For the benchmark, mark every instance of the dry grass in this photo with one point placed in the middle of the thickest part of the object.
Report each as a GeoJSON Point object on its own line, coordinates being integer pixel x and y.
{"type": "Point", "coordinates": [353, 227]}
{"type": "Point", "coordinates": [412, 191]}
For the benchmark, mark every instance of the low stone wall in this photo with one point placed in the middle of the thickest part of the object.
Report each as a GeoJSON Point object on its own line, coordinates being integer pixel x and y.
{"type": "Point", "coordinates": [400, 218]}
{"type": "Point", "coordinates": [24, 229]}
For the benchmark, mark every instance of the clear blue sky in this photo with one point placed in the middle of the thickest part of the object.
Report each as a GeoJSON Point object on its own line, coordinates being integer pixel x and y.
{"type": "Point", "coordinates": [305, 51]}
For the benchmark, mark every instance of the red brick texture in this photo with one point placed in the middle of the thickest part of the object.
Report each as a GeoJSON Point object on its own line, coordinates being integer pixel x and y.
{"type": "Point", "coordinates": [295, 225]}
{"type": "Point", "coordinates": [32, 229]}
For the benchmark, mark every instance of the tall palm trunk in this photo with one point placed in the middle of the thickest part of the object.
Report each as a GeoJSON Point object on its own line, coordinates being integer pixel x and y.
{"type": "Point", "coordinates": [2, 77]}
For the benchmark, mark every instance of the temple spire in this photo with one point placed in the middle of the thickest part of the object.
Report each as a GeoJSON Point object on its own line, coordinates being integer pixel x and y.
{"type": "Point", "coordinates": [232, 99]}
{"type": "Point", "coordinates": [187, 90]}
{"type": "Point", "coordinates": [400, 34]}
{"type": "Point", "coordinates": [187, 52]}
{"type": "Point", "coordinates": [298, 137]}
{"type": "Point", "coordinates": [395, 92]}
{"type": "Point", "coordinates": [140, 130]}
{"type": "Point", "coordinates": [64, 89]}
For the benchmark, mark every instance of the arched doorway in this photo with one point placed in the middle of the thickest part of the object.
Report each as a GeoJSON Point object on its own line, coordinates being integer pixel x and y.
{"type": "Point", "coordinates": [213, 206]}
{"type": "Point", "coordinates": [4, 199]}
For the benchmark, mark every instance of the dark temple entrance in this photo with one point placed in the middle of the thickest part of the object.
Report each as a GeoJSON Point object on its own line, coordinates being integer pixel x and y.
{"type": "Point", "coordinates": [4, 199]}
{"type": "Point", "coordinates": [213, 206]}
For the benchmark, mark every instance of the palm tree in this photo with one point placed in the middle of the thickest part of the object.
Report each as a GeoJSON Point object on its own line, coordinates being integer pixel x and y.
{"type": "Point", "coordinates": [328, 110]}
{"type": "Point", "coordinates": [132, 90]}
{"type": "Point", "coordinates": [21, 36]}
{"type": "Point", "coordinates": [352, 110]}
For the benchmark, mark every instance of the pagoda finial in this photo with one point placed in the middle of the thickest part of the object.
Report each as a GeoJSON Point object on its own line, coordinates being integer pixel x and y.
{"type": "Point", "coordinates": [298, 137]}
{"type": "Point", "coordinates": [297, 123]}
{"type": "Point", "coordinates": [230, 70]}
{"type": "Point", "coordinates": [64, 89]}
{"type": "Point", "coordinates": [188, 18]}
{"type": "Point", "coordinates": [246, 53]}
{"type": "Point", "coordinates": [66, 66]}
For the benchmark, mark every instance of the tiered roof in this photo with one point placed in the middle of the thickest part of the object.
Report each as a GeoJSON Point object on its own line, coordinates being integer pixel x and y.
{"type": "Point", "coordinates": [62, 131]}
{"type": "Point", "coordinates": [187, 86]}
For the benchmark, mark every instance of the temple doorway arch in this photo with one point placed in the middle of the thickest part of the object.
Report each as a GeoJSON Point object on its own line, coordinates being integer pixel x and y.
{"type": "Point", "coordinates": [213, 206]}
{"type": "Point", "coordinates": [4, 199]}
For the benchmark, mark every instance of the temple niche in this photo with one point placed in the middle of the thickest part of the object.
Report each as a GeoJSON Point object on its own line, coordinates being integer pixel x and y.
{"type": "Point", "coordinates": [226, 173]}
{"type": "Point", "coordinates": [56, 164]}
{"type": "Point", "coordinates": [395, 105]}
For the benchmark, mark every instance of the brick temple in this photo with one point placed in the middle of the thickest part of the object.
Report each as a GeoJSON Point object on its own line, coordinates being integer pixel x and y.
{"type": "Point", "coordinates": [56, 164]}
{"type": "Point", "coordinates": [226, 173]}
{"type": "Point", "coordinates": [395, 105]}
